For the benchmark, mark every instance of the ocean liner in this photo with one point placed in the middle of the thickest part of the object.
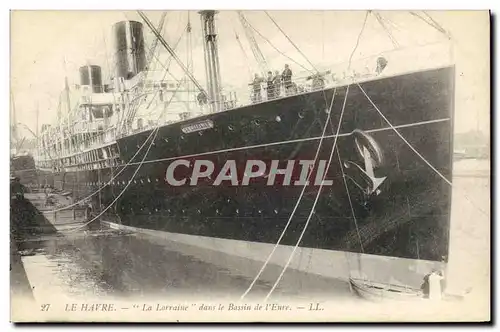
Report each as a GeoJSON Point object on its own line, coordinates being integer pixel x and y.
{"type": "Point", "coordinates": [323, 165]}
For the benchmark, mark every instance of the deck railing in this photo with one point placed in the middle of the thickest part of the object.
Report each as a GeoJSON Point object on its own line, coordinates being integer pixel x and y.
{"type": "Point", "coordinates": [398, 62]}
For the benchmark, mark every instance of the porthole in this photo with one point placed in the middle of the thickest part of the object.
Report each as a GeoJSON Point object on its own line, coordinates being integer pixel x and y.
{"type": "Point", "coordinates": [301, 115]}
{"type": "Point", "coordinates": [231, 128]}
{"type": "Point", "coordinates": [278, 118]}
{"type": "Point", "coordinates": [256, 122]}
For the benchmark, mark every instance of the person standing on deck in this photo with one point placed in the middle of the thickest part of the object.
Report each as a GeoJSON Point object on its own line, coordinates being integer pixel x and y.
{"type": "Point", "coordinates": [270, 85]}
{"type": "Point", "coordinates": [287, 79]}
{"type": "Point", "coordinates": [381, 64]}
{"type": "Point", "coordinates": [277, 84]}
{"type": "Point", "coordinates": [256, 87]}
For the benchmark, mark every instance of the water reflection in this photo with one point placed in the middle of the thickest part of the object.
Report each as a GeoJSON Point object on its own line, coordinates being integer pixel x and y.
{"type": "Point", "coordinates": [113, 264]}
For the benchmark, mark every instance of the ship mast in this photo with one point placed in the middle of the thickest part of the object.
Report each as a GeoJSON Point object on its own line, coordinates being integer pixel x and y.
{"type": "Point", "coordinates": [37, 131]}
{"type": "Point", "coordinates": [212, 68]}
{"type": "Point", "coordinates": [68, 109]}
{"type": "Point", "coordinates": [13, 119]}
{"type": "Point", "coordinates": [66, 90]}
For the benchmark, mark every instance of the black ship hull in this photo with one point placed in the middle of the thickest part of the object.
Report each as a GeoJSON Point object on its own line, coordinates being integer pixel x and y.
{"type": "Point", "coordinates": [407, 216]}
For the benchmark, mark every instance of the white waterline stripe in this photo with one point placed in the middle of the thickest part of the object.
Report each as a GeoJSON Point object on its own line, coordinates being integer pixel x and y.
{"type": "Point", "coordinates": [287, 142]}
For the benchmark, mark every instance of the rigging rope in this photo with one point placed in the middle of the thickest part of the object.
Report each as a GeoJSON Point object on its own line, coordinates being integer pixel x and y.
{"type": "Point", "coordinates": [393, 26]}
{"type": "Point", "coordinates": [131, 159]}
{"type": "Point", "coordinates": [189, 58]}
{"type": "Point", "coordinates": [315, 201]}
{"type": "Point", "coordinates": [152, 49]}
{"type": "Point", "coordinates": [297, 203]}
{"type": "Point", "coordinates": [386, 29]}
{"type": "Point", "coordinates": [390, 22]}
{"type": "Point", "coordinates": [280, 52]}
{"type": "Point", "coordinates": [437, 26]}
{"type": "Point", "coordinates": [166, 66]}
{"type": "Point", "coordinates": [297, 48]}
{"type": "Point", "coordinates": [433, 23]}
{"type": "Point", "coordinates": [357, 40]}
{"type": "Point", "coordinates": [172, 52]}
{"type": "Point", "coordinates": [169, 60]}
{"type": "Point", "coordinates": [243, 51]}
{"type": "Point", "coordinates": [290, 40]}
{"type": "Point", "coordinates": [155, 131]}
{"type": "Point", "coordinates": [254, 46]}
{"type": "Point", "coordinates": [132, 111]}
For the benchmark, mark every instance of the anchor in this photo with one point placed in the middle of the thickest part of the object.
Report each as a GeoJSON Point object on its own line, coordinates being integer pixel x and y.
{"type": "Point", "coordinates": [365, 178]}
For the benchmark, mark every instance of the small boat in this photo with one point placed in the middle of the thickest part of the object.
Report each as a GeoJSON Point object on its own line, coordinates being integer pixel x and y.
{"type": "Point", "coordinates": [375, 291]}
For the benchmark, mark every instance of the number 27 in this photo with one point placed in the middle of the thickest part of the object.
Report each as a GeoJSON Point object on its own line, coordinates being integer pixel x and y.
{"type": "Point", "coordinates": [45, 307]}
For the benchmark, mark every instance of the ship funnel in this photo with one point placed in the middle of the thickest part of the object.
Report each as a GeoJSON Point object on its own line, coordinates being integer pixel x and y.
{"type": "Point", "coordinates": [91, 77]}
{"type": "Point", "coordinates": [129, 48]}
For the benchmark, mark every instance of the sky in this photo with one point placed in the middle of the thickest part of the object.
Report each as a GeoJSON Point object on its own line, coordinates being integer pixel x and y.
{"type": "Point", "coordinates": [46, 46]}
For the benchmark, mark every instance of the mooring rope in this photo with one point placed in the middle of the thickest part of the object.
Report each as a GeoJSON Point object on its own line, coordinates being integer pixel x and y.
{"type": "Point", "coordinates": [119, 195]}
{"type": "Point", "coordinates": [155, 131]}
{"type": "Point", "coordinates": [350, 203]}
{"type": "Point", "coordinates": [314, 204]}
{"type": "Point", "coordinates": [402, 137]}
{"type": "Point", "coordinates": [296, 204]}
{"type": "Point", "coordinates": [112, 179]}
{"type": "Point", "coordinates": [415, 150]}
